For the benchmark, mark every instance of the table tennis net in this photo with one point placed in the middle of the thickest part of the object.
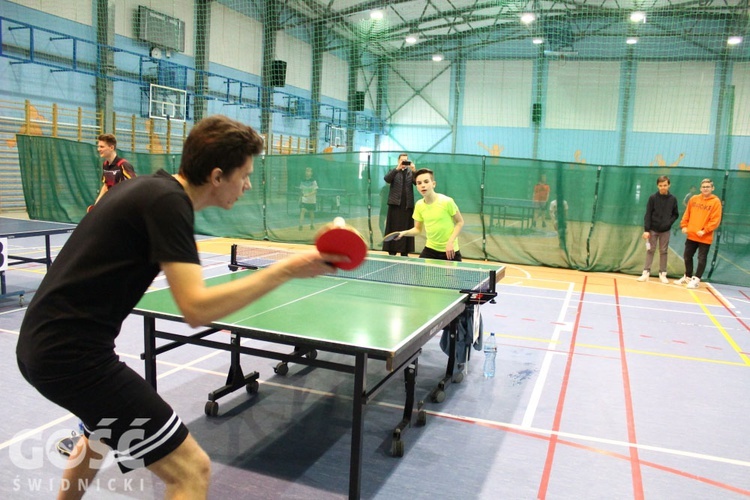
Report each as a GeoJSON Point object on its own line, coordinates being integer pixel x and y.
{"type": "Point", "coordinates": [431, 274]}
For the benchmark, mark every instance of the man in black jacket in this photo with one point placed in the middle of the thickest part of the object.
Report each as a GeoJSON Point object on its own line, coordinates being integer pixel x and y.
{"type": "Point", "coordinates": [661, 212]}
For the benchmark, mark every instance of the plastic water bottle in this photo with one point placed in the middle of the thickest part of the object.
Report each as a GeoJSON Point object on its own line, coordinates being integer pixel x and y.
{"type": "Point", "coordinates": [490, 352]}
{"type": "Point", "coordinates": [648, 245]}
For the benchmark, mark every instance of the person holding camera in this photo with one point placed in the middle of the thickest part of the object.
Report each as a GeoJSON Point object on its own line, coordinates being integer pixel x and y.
{"type": "Point", "coordinates": [400, 205]}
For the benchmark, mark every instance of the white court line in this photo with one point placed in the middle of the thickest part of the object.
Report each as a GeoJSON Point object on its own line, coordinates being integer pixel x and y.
{"type": "Point", "coordinates": [541, 380]}
{"type": "Point", "coordinates": [722, 299]}
{"type": "Point", "coordinates": [622, 306]}
{"type": "Point", "coordinates": [524, 271]}
{"type": "Point", "coordinates": [35, 431]}
{"type": "Point", "coordinates": [624, 444]}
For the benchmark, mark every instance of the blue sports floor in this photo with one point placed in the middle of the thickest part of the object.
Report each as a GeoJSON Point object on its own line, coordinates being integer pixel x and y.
{"type": "Point", "coordinates": [605, 388]}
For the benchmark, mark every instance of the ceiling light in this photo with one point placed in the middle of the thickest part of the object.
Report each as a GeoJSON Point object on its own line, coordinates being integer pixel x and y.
{"type": "Point", "coordinates": [631, 40]}
{"type": "Point", "coordinates": [528, 18]}
{"type": "Point", "coordinates": [411, 38]}
{"type": "Point", "coordinates": [376, 14]}
{"type": "Point", "coordinates": [734, 40]}
{"type": "Point", "coordinates": [537, 40]}
{"type": "Point", "coordinates": [437, 57]}
{"type": "Point", "coordinates": [638, 17]}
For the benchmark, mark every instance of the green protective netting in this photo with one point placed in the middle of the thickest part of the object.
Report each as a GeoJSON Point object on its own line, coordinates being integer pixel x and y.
{"type": "Point", "coordinates": [597, 226]}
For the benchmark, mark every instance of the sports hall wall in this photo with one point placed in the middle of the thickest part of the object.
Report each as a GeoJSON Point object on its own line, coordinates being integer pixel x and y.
{"type": "Point", "coordinates": [686, 108]}
{"type": "Point", "coordinates": [490, 120]}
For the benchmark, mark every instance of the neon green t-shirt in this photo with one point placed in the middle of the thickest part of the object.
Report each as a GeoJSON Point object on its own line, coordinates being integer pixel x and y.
{"type": "Point", "coordinates": [437, 218]}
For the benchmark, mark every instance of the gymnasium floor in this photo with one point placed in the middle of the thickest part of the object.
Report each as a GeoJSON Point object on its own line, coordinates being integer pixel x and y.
{"type": "Point", "coordinates": [605, 388]}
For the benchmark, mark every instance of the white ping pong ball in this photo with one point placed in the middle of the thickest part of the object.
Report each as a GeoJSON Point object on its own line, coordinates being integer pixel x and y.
{"type": "Point", "coordinates": [339, 222]}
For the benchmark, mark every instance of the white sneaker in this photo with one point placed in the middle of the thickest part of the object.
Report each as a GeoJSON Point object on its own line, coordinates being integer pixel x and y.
{"type": "Point", "coordinates": [644, 276]}
{"type": "Point", "coordinates": [682, 281]}
{"type": "Point", "coordinates": [694, 282]}
{"type": "Point", "coordinates": [663, 278]}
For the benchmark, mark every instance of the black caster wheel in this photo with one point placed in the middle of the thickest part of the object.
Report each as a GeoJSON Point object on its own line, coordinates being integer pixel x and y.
{"type": "Point", "coordinates": [458, 377]}
{"type": "Point", "coordinates": [421, 418]}
{"type": "Point", "coordinates": [438, 396]}
{"type": "Point", "coordinates": [211, 408]}
{"type": "Point", "coordinates": [252, 387]}
{"type": "Point", "coordinates": [397, 448]}
{"type": "Point", "coordinates": [281, 369]}
{"type": "Point", "coordinates": [312, 354]}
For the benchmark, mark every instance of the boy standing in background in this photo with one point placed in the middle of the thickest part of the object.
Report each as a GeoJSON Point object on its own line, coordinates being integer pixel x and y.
{"type": "Point", "coordinates": [661, 212]}
{"type": "Point", "coordinates": [702, 217]}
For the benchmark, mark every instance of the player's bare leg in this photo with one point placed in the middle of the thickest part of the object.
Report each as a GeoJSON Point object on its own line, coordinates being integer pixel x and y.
{"type": "Point", "coordinates": [79, 471]}
{"type": "Point", "coordinates": [186, 471]}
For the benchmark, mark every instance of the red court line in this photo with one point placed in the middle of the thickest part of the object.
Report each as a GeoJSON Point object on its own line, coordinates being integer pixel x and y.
{"type": "Point", "coordinates": [608, 453]}
{"type": "Point", "coordinates": [744, 294]}
{"type": "Point", "coordinates": [544, 485]}
{"type": "Point", "coordinates": [635, 465]}
{"type": "Point", "coordinates": [728, 309]}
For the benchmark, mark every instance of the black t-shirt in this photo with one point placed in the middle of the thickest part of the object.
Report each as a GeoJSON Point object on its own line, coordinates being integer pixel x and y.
{"type": "Point", "coordinates": [102, 272]}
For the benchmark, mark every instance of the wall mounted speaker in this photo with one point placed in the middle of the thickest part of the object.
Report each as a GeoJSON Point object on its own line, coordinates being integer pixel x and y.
{"type": "Point", "coordinates": [278, 74]}
{"type": "Point", "coordinates": [358, 103]}
{"type": "Point", "coordinates": [536, 112]}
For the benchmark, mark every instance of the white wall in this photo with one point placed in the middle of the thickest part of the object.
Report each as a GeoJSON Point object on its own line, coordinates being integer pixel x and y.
{"type": "Point", "coordinates": [673, 97]}
{"type": "Point", "coordinates": [498, 93]}
{"type": "Point", "coordinates": [741, 82]}
{"type": "Point", "coordinates": [236, 41]}
{"type": "Point", "coordinates": [80, 11]}
{"type": "Point", "coordinates": [582, 95]}
{"type": "Point", "coordinates": [334, 80]}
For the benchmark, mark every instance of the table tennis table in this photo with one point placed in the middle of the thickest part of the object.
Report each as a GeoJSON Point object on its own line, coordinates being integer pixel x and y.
{"type": "Point", "coordinates": [341, 314]}
{"type": "Point", "coordinates": [503, 210]}
{"type": "Point", "coordinates": [21, 228]}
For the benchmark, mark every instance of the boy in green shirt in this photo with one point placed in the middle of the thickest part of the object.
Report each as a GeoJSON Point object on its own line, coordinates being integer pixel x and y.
{"type": "Point", "coordinates": [440, 217]}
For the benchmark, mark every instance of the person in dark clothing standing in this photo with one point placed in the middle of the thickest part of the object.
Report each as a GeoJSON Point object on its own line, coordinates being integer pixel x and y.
{"type": "Point", "coordinates": [661, 212]}
{"type": "Point", "coordinates": [115, 168]}
{"type": "Point", "coordinates": [400, 205]}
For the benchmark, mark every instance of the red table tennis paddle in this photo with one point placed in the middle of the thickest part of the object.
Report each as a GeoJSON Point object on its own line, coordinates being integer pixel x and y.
{"type": "Point", "coordinates": [340, 239]}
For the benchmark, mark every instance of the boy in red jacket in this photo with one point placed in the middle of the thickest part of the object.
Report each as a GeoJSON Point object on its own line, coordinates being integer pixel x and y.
{"type": "Point", "coordinates": [702, 217]}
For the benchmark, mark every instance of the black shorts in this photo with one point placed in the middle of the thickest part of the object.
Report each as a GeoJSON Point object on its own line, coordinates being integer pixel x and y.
{"type": "Point", "coordinates": [431, 253]}
{"type": "Point", "coordinates": [118, 407]}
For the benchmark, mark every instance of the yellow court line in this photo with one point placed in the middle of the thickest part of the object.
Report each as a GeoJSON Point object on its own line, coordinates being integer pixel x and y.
{"type": "Point", "coordinates": [629, 351]}
{"type": "Point", "coordinates": [521, 337]}
{"type": "Point", "coordinates": [664, 355]}
{"type": "Point", "coordinates": [726, 335]}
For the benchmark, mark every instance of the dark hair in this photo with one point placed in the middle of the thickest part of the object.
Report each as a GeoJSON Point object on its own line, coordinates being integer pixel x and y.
{"type": "Point", "coordinates": [423, 171]}
{"type": "Point", "coordinates": [663, 178]}
{"type": "Point", "coordinates": [217, 142]}
{"type": "Point", "coordinates": [110, 139]}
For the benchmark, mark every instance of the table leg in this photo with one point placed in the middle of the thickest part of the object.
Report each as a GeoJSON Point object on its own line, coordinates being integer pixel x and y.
{"type": "Point", "coordinates": [47, 244]}
{"type": "Point", "coordinates": [358, 409]}
{"type": "Point", "coordinates": [149, 349]}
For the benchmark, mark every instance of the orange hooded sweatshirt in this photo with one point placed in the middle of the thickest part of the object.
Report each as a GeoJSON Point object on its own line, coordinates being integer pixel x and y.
{"type": "Point", "coordinates": [702, 214]}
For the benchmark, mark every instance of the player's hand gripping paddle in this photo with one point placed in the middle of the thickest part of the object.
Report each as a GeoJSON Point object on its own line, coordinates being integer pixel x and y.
{"type": "Point", "coordinates": [391, 236]}
{"type": "Point", "coordinates": [340, 239]}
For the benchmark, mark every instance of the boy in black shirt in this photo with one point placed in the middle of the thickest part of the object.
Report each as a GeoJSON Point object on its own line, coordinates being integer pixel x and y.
{"type": "Point", "coordinates": [661, 212]}
{"type": "Point", "coordinates": [67, 339]}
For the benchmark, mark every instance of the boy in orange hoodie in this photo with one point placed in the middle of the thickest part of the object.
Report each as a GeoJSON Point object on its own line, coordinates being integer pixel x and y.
{"type": "Point", "coordinates": [702, 216]}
